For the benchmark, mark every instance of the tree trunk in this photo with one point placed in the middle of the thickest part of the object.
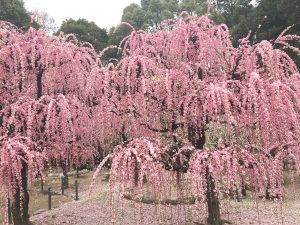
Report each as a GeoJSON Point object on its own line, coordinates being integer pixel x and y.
{"type": "Point", "coordinates": [244, 191]}
{"type": "Point", "coordinates": [136, 173]}
{"type": "Point", "coordinates": [65, 175]}
{"type": "Point", "coordinates": [20, 209]}
{"type": "Point", "coordinates": [197, 137]}
{"type": "Point", "coordinates": [213, 204]}
{"type": "Point", "coordinates": [39, 84]}
{"type": "Point", "coordinates": [179, 187]}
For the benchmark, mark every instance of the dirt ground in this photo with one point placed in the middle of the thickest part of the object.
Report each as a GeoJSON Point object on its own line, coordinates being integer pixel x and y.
{"type": "Point", "coordinates": [39, 200]}
{"type": "Point", "coordinates": [97, 209]}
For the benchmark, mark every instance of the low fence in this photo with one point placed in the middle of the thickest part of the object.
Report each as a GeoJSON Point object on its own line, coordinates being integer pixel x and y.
{"type": "Point", "coordinates": [50, 192]}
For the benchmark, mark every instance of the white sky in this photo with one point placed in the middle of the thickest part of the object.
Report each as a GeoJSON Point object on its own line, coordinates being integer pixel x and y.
{"type": "Point", "coordinates": [105, 13]}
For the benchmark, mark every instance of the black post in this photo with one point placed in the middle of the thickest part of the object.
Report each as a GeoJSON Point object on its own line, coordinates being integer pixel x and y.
{"type": "Point", "coordinates": [76, 190]}
{"type": "Point", "coordinates": [62, 186]}
{"type": "Point", "coordinates": [239, 199]}
{"type": "Point", "coordinates": [42, 186]}
{"type": "Point", "coordinates": [9, 211]}
{"type": "Point", "coordinates": [49, 198]}
{"type": "Point", "coordinates": [244, 192]}
{"type": "Point", "coordinates": [77, 173]}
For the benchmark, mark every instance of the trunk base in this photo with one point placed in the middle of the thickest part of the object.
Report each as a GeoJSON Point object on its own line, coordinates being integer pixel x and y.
{"type": "Point", "coordinates": [213, 203]}
{"type": "Point", "coordinates": [20, 209]}
{"type": "Point", "coordinates": [65, 175]}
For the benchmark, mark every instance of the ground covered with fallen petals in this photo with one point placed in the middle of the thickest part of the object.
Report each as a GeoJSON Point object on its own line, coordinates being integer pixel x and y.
{"type": "Point", "coordinates": [97, 210]}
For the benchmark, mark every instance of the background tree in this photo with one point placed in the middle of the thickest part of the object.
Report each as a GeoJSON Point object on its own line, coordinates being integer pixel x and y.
{"type": "Point", "coordinates": [274, 16]}
{"type": "Point", "coordinates": [86, 31]}
{"type": "Point", "coordinates": [146, 16]}
{"type": "Point", "coordinates": [199, 8]}
{"type": "Point", "coordinates": [46, 22]}
{"type": "Point", "coordinates": [234, 10]}
{"type": "Point", "coordinates": [159, 10]}
{"type": "Point", "coordinates": [134, 15]}
{"type": "Point", "coordinates": [267, 20]}
{"type": "Point", "coordinates": [194, 7]}
{"type": "Point", "coordinates": [14, 11]}
{"type": "Point", "coordinates": [271, 17]}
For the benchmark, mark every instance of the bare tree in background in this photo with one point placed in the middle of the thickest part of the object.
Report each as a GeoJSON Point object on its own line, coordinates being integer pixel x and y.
{"type": "Point", "coordinates": [46, 21]}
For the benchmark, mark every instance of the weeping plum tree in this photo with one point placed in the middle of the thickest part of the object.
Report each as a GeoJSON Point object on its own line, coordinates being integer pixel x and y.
{"type": "Point", "coordinates": [231, 113]}
{"type": "Point", "coordinates": [45, 90]}
{"type": "Point", "coordinates": [33, 64]}
{"type": "Point", "coordinates": [16, 153]}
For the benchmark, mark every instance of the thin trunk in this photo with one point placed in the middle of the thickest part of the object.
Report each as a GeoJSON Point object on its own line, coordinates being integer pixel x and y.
{"type": "Point", "coordinates": [197, 137]}
{"type": "Point", "coordinates": [179, 188]}
{"type": "Point", "coordinates": [213, 204]}
{"type": "Point", "coordinates": [136, 173]}
{"type": "Point", "coordinates": [244, 191]}
{"type": "Point", "coordinates": [65, 175]}
{"type": "Point", "coordinates": [39, 91]}
{"type": "Point", "coordinates": [20, 209]}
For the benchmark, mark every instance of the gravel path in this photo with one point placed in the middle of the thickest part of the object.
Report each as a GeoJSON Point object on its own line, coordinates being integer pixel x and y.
{"type": "Point", "coordinates": [97, 210]}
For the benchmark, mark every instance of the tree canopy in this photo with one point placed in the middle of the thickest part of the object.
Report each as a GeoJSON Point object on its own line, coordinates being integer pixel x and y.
{"type": "Point", "coordinates": [45, 84]}
{"type": "Point", "coordinates": [182, 99]}
{"type": "Point", "coordinates": [14, 12]}
{"type": "Point", "coordinates": [134, 15]}
{"type": "Point", "coordinates": [86, 31]}
{"type": "Point", "coordinates": [269, 18]}
{"type": "Point", "coordinates": [46, 22]}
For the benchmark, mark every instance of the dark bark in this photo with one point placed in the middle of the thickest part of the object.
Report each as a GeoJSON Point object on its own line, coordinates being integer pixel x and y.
{"type": "Point", "coordinates": [197, 137]}
{"type": "Point", "coordinates": [77, 173]}
{"type": "Point", "coordinates": [39, 85]}
{"type": "Point", "coordinates": [20, 209]}
{"type": "Point", "coordinates": [136, 173]}
{"type": "Point", "coordinates": [178, 182]}
{"type": "Point", "coordinates": [65, 175]}
{"type": "Point", "coordinates": [244, 191]}
{"type": "Point", "coordinates": [213, 204]}
{"type": "Point", "coordinates": [269, 196]}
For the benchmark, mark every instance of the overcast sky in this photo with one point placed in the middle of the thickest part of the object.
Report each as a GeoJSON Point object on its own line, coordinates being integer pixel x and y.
{"type": "Point", "coordinates": [105, 13]}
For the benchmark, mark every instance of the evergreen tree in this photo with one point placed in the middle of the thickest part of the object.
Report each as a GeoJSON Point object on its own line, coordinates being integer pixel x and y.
{"type": "Point", "coordinates": [13, 11]}
{"type": "Point", "coordinates": [86, 31]}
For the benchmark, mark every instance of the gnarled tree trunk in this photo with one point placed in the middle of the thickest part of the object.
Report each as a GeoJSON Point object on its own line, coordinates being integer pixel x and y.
{"type": "Point", "coordinates": [65, 175]}
{"type": "Point", "coordinates": [197, 138]}
{"type": "Point", "coordinates": [213, 204]}
{"type": "Point", "coordinates": [20, 205]}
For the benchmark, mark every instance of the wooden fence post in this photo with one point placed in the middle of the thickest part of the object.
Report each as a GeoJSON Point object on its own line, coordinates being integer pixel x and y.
{"type": "Point", "coordinates": [49, 198]}
{"type": "Point", "coordinates": [62, 186]}
{"type": "Point", "coordinates": [76, 190]}
{"type": "Point", "coordinates": [9, 211]}
{"type": "Point", "coordinates": [42, 186]}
